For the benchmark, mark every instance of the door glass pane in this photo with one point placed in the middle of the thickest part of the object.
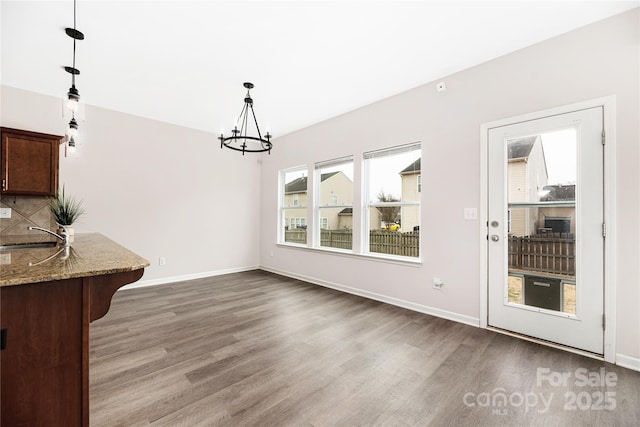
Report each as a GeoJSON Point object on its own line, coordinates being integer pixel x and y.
{"type": "Point", "coordinates": [541, 214]}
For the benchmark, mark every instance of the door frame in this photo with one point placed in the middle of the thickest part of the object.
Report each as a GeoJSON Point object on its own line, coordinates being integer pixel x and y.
{"type": "Point", "coordinates": [608, 103]}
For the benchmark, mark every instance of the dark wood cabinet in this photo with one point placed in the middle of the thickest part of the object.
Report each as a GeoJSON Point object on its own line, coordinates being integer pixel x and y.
{"type": "Point", "coordinates": [29, 162]}
{"type": "Point", "coordinates": [43, 353]}
{"type": "Point", "coordinates": [45, 360]}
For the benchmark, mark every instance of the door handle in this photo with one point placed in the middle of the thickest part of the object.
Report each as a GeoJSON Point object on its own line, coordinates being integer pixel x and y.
{"type": "Point", "coordinates": [495, 237]}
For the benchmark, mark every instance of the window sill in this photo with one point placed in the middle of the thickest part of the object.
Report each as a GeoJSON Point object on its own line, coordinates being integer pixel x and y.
{"type": "Point", "coordinates": [390, 259]}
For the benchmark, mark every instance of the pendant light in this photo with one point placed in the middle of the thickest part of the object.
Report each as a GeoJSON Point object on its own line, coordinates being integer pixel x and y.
{"type": "Point", "coordinates": [73, 95]}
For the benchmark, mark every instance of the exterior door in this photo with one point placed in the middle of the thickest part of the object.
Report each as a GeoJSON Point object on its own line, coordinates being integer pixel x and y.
{"type": "Point", "coordinates": [546, 229]}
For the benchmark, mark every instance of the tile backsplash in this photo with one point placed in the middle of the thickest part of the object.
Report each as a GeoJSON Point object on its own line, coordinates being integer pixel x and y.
{"type": "Point", "coordinates": [25, 211]}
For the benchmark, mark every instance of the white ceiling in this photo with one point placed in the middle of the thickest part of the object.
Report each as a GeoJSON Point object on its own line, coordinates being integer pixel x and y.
{"type": "Point", "coordinates": [184, 62]}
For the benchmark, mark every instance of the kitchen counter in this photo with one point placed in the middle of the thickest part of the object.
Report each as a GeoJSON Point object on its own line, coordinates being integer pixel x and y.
{"type": "Point", "coordinates": [49, 297]}
{"type": "Point", "coordinates": [91, 254]}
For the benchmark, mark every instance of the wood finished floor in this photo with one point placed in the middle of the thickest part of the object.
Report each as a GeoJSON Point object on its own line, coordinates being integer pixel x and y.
{"type": "Point", "coordinates": [260, 349]}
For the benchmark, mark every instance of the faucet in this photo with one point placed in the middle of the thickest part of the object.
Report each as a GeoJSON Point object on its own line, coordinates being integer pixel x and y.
{"type": "Point", "coordinates": [66, 242]}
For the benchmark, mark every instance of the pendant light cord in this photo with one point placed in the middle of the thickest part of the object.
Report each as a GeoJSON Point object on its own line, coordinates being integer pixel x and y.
{"type": "Point", "coordinates": [73, 76]}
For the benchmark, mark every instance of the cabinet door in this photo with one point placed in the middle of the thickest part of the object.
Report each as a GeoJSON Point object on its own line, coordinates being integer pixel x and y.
{"type": "Point", "coordinates": [29, 163]}
{"type": "Point", "coordinates": [41, 381]}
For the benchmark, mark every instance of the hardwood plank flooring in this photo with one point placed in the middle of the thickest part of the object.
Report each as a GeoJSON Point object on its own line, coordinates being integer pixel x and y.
{"type": "Point", "coordinates": [260, 349]}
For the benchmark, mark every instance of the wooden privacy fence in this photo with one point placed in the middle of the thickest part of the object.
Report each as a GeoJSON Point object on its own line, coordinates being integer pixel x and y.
{"type": "Point", "coordinates": [393, 243]}
{"type": "Point", "coordinates": [547, 254]}
{"type": "Point", "coordinates": [342, 239]}
{"type": "Point", "coordinates": [386, 242]}
{"type": "Point", "coordinates": [297, 235]}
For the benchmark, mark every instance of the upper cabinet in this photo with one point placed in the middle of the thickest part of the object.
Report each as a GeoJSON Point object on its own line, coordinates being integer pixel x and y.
{"type": "Point", "coordinates": [29, 163]}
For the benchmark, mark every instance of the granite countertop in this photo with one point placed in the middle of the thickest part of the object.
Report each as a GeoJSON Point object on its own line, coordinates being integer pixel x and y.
{"type": "Point", "coordinates": [91, 254]}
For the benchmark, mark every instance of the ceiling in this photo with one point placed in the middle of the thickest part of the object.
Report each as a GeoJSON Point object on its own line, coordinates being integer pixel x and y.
{"type": "Point", "coordinates": [184, 62]}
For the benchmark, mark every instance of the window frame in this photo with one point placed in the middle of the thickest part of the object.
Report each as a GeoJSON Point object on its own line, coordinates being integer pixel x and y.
{"type": "Point", "coordinates": [317, 207]}
{"type": "Point", "coordinates": [283, 221]}
{"type": "Point", "coordinates": [367, 203]}
{"type": "Point", "coordinates": [360, 226]}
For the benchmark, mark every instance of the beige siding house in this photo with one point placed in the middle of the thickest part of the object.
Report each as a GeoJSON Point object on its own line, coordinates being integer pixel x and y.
{"type": "Point", "coordinates": [295, 200]}
{"type": "Point", "coordinates": [527, 177]}
{"type": "Point", "coordinates": [336, 189]}
{"type": "Point", "coordinates": [411, 189]}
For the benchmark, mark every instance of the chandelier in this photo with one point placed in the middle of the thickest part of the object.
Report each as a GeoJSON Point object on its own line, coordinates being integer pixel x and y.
{"type": "Point", "coordinates": [239, 139]}
{"type": "Point", "coordinates": [73, 96]}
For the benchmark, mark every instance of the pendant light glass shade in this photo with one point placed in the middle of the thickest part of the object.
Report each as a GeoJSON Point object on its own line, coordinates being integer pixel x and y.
{"type": "Point", "coordinates": [72, 128]}
{"type": "Point", "coordinates": [73, 99]}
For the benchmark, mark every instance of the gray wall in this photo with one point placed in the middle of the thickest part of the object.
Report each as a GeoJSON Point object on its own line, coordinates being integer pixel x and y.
{"type": "Point", "coordinates": [592, 62]}
{"type": "Point", "coordinates": [159, 189]}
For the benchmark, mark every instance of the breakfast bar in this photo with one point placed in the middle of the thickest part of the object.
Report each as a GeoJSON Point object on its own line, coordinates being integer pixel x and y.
{"type": "Point", "coordinates": [48, 296]}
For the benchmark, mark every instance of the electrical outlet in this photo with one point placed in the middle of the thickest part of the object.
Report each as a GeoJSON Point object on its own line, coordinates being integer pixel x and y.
{"type": "Point", "coordinates": [162, 261]}
{"type": "Point", "coordinates": [5, 212]}
{"type": "Point", "coordinates": [437, 283]}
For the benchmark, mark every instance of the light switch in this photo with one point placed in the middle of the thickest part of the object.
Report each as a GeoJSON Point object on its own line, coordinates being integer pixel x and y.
{"type": "Point", "coordinates": [5, 212]}
{"type": "Point", "coordinates": [470, 213]}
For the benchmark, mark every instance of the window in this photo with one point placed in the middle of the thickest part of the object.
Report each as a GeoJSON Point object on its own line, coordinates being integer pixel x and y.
{"type": "Point", "coordinates": [390, 192]}
{"type": "Point", "coordinates": [334, 203]}
{"type": "Point", "coordinates": [293, 206]}
{"type": "Point", "coordinates": [297, 223]}
{"type": "Point", "coordinates": [392, 199]}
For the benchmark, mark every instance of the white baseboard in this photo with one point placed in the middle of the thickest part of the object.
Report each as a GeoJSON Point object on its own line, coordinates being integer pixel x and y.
{"type": "Point", "coordinates": [628, 362]}
{"type": "Point", "coordinates": [173, 279]}
{"type": "Point", "coordinates": [472, 321]}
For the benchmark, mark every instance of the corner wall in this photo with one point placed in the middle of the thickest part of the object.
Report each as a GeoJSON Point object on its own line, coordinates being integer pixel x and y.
{"type": "Point", "coordinates": [158, 189]}
{"type": "Point", "coordinates": [592, 62]}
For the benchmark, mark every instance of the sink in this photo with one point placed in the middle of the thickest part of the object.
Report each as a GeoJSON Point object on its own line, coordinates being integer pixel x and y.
{"type": "Point", "coordinates": [19, 246]}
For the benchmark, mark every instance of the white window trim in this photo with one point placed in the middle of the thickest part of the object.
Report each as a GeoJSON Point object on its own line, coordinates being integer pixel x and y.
{"type": "Point", "coordinates": [281, 222]}
{"type": "Point", "coordinates": [367, 204]}
{"type": "Point", "coordinates": [360, 210]}
{"type": "Point", "coordinates": [317, 207]}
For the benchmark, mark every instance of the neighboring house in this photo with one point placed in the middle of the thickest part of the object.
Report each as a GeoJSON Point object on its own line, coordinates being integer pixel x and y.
{"type": "Point", "coordinates": [558, 219]}
{"type": "Point", "coordinates": [411, 189]}
{"type": "Point", "coordinates": [345, 218]}
{"type": "Point", "coordinates": [335, 189]}
{"type": "Point", "coordinates": [527, 177]}
{"type": "Point", "coordinates": [295, 196]}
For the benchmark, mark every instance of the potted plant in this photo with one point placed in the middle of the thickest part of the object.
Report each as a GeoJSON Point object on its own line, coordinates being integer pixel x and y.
{"type": "Point", "coordinates": [65, 210]}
